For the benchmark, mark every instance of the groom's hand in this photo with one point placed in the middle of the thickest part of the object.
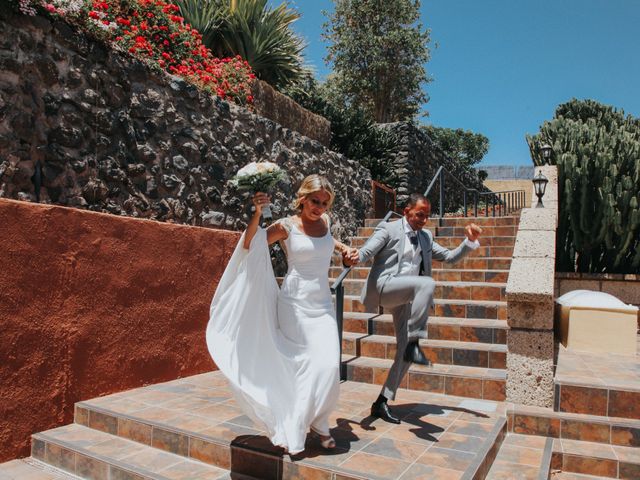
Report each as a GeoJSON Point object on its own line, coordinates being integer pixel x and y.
{"type": "Point", "coordinates": [350, 257]}
{"type": "Point", "coordinates": [472, 232]}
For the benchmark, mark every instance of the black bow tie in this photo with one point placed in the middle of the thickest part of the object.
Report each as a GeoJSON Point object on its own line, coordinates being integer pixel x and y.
{"type": "Point", "coordinates": [413, 238]}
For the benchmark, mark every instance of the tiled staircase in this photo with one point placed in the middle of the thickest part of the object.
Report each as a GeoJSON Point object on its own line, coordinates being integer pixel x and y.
{"type": "Point", "coordinates": [192, 428]}
{"type": "Point", "coordinates": [467, 330]}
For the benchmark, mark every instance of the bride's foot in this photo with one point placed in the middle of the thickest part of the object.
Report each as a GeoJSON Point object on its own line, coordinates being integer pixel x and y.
{"type": "Point", "coordinates": [327, 442]}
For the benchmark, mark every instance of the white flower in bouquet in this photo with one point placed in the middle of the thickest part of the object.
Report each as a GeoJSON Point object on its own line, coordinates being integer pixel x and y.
{"type": "Point", "coordinates": [258, 177]}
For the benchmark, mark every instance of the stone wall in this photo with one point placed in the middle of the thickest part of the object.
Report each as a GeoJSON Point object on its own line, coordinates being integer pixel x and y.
{"type": "Point", "coordinates": [416, 159]}
{"type": "Point", "coordinates": [98, 130]}
{"type": "Point", "coordinates": [530, 302]}
{"type": "Point", "coordinates": [94, 304]}
{"type": "Point", "coordinates": [272, 104]}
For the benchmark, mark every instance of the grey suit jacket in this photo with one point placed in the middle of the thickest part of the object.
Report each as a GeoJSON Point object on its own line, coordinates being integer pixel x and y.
{"type": "Point", "coordinates": [386, 246]}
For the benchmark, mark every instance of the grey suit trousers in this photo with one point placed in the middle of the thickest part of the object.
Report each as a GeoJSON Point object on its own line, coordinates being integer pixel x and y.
{"type": "Point", "coordinates": [408, 299]}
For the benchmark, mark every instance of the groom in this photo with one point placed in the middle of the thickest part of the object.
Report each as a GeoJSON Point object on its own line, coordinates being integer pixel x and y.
{"type": "Point", "coordinates": [400, 281]}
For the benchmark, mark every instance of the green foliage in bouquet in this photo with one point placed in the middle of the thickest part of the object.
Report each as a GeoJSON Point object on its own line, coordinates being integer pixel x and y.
{"type": "Point", "coordinates": [597, 151]}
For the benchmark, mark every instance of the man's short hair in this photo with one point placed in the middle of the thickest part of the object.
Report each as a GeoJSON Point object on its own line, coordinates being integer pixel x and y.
{"type": "Point", "coordinates": [414, 198]}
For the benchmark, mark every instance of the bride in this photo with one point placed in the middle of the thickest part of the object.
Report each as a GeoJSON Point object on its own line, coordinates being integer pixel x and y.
{"type": "Point", "coordinates": [279, 347]}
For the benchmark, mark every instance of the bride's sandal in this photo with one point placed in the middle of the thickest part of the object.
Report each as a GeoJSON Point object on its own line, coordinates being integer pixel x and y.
{"type": "Point", "coordinates": [326, 441]}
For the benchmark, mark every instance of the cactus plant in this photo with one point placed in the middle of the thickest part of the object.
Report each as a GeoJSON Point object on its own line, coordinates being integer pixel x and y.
{"type": "Point", "coordinates": [597, 151]}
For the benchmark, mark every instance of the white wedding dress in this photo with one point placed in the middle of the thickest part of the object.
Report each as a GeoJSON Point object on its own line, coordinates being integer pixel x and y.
{"type": "Point", "coordinates": [279, 347]}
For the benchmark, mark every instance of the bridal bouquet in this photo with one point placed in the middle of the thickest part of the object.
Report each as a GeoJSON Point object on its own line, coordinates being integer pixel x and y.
{"type": "Point", "coordinates": [258, 177]}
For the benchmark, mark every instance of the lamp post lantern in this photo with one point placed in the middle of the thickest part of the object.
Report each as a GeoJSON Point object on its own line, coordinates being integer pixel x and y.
{"type": "Point", "coordinates": [546, 150]}
{"type": "Point", "coordinates": [540, 185]}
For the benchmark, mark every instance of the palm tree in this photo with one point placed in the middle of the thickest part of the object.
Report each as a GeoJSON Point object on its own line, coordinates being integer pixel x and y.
{"type": "Point", "coordinates": [259, 34]}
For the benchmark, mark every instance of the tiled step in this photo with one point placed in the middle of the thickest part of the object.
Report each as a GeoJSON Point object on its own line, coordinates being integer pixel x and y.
{"type": "Point", "coordinates": [473, 263]}
{"type": "Point", "coordinates": [446, 290]}
{"type": "Point", "coordinates": [522, 456]}
{"type": "Point", "coordinates": [458, 221]}
{"type": "Point", "coordinates": [443, 352]}
{"type": "Point", "coordinates": [474, 382]}
{"type": "Point", "coordinates": [441, 233]}
{"type": "Point", "coordinates": [90, 453]}
{"type": "Point", "coordinates": [618, 431]}
{"type": "Point", "coordinates": [440, 436]}
{"type": "Point", "coordinates": [558, 475]}
{"type": "Point", "coordinates": [444, 275]}
{"type": "Point", "coordinates": [438, 328]}
{"type": "Point", "coordinates": [482, 251]}
{"type": "Point", "coordinates": [493, 310]}
{"type": "Point", "coordinates": [31, 469]}
{"type": "Point", "coordinates": [466, 263]}
{"type": "Point", "coordinates": [609, 461]}
{"type": "Point", "coordinates": [453, 242]}
{"type": "Point", "coordinates": [606, 385]}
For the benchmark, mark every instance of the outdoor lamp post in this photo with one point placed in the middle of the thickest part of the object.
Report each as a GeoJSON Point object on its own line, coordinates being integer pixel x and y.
{"type": "Point", "coordinates": [546, 150]}
{"type": "Point", "coordinates": [540, 184]}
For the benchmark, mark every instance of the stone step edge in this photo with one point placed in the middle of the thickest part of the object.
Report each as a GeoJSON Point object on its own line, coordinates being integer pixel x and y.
{"type": "Point", "coordinates": [543, 418]}
{"type": "Point", "coordinates": [454, 301]}
{"type": "Point", "coordinates": [249, 449]}
{"type": "Point", "coordinates": [433, 320]}
{"type": "Point", "coordinates": [435, 369]}
{"type": "Point", "coordinates": [439, 283]}
{"type": "Point", "coordinates": [488, 347]}
{"type": "Point", "coordinates": [484, 459]}
{"type": "Point", "coordinates": [42, 467]}
{"type": "Point", "coordinates": [439, 270]}
{"type": "Point", "coordinates": [591, 386]}
{"type": "Point", "coordinates": [558, 455]}
{"type": "Point", "coordinates": [119, 464]}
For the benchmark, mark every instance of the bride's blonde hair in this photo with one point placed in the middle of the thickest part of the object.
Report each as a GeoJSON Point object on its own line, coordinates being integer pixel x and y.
{"type": "Point", "coordinates": [311, 184]}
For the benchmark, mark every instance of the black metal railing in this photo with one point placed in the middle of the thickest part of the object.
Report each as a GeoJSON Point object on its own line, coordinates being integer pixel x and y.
{"type": "Point", "coordinates": [504, 202]}
{"type": "Point", "coordinates": [515, 200]}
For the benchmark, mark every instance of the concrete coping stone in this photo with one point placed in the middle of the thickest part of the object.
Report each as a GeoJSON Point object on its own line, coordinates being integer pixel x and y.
{"type": "Point", "coordinates": [531, 280]}
{"type": "Point", "coordinates": [538, 219]}
{"type": "Point", "coordinates": [535, 244]}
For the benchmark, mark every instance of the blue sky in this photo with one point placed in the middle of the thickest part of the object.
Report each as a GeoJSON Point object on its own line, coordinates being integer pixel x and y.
{"type": "Point", "coordinates": [502, 66]}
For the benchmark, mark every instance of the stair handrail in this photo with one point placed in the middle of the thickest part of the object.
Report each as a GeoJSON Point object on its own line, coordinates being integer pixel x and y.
{"type": "Point", "coordinates": [507, 200]}
{"type": "Point", "coordinates": [517, 198]}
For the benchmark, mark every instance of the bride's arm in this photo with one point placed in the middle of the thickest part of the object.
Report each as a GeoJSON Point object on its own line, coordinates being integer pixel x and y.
{"type": "Point", "coordinates": [275, 232]}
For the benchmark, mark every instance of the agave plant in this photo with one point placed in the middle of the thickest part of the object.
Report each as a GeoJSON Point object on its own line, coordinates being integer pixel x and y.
{"type": "Point", "coordinates": [259, 34]}
{"type": "Point", "coordinates": [206, 16]}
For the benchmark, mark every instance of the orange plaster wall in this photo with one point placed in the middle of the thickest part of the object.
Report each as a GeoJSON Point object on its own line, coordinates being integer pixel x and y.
{"type": "Point", "coordinates": [92, 304]}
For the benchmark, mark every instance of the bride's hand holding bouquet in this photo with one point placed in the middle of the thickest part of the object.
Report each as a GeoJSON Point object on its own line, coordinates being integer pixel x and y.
{"type": "Point", "coordinates": [260, 201]}
{"type": "Point", "coordinates": [259, 178]}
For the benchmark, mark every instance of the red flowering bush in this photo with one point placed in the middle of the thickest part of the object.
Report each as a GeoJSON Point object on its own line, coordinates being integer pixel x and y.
{"type": "Point", "coordinates": [153, 31]}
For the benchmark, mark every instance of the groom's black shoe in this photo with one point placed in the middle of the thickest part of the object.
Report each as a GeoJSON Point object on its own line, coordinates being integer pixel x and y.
{"type": "Point", "coordinates": [413, 354]}
{"type": "Point", "coordinates": [382, 410]}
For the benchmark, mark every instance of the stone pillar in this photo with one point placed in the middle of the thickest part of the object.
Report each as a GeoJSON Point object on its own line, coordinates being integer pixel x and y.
{"type": "Point", "coordinates": [530, 301]}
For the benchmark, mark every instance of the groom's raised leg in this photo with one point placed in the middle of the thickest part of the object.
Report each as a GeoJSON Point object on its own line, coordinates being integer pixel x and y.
{"type": "Point", "coordinates": [418, 293]}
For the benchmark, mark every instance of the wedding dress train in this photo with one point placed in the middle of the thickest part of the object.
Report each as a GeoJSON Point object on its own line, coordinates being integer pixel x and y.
{"type": "Point", "coordinates": [279, 347]}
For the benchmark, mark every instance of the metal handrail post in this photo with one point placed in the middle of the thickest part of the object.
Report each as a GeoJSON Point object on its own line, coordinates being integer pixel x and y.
{"type": "Point", "coordinates": [339, 320]}
{"type": "Point", "coordinates": [486, 209]}
{"type": "Point", "coordinates": [441, 197]}
{"type": "Point", "coordinates": [464, 202]}
{"type": "Point", "coordinates": [475, 203]}
{"type": "Point", "coordinates": [493, 205]}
